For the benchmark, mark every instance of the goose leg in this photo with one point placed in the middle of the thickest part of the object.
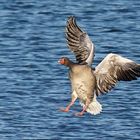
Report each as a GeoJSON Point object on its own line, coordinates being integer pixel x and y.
{"type": "Point", "coordinates": [84, 109]}
{"type": "Point", "coordinates": [70, 104]}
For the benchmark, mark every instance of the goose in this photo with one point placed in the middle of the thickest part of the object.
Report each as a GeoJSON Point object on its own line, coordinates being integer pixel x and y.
{"type": "Point", "coordinates": [87, 82]}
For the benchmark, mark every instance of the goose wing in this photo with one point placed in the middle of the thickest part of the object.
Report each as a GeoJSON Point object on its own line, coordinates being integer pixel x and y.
{"type": "Point", "coordinates": [79, 42]}
{"type": "Point", "coordinates": [115, 68]}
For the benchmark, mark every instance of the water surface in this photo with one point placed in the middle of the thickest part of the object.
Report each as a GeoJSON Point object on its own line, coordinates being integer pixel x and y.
{"type": "Point", "coordinates": [32, 84]}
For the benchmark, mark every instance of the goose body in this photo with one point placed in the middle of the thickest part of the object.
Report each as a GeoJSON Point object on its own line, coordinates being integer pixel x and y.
{"type": "Point", "coordinates": [82, 85]}
{"type": "Point", "coordinates": [86, 82]}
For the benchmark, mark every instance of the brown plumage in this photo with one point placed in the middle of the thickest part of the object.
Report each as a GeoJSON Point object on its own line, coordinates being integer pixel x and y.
{"type": "Point", "coordinates": [86, 82]}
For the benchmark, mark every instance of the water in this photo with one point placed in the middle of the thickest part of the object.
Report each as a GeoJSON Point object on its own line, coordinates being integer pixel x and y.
{"type": "Point", "coordinates": [33, 86]}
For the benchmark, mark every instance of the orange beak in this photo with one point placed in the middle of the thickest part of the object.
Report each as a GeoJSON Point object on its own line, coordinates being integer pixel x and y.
{"type": "Point", "coordinates": [61, 61]}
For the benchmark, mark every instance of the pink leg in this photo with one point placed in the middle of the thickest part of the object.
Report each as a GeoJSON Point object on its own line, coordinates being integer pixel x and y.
{"type": "Point", "coordinates": [68, 107]}
{"type": "Point", "coordinates": [84, 109]}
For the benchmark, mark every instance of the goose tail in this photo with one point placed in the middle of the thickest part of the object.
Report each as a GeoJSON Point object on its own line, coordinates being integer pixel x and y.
{"type": "Point", "coordinates": [94, 107]}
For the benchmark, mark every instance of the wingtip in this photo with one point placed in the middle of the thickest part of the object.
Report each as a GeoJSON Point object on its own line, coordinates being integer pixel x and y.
{"type": "Point", "coordinates": [71, 20]}
{"type": "Point", "coordinates": [71, 17]}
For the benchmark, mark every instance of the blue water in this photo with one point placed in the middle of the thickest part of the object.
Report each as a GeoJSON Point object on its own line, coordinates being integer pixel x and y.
{"type": "Point", "coordinates": [33, 86]}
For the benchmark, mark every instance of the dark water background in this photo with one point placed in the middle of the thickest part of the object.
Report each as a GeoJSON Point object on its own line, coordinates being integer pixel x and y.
{"type": "Point", "coordinates": [33, 86]}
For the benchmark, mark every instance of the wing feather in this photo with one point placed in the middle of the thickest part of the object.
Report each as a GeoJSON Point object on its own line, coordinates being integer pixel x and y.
{"type": "Point", "coordinates": [79, 42]}
{"type": "Point", "coordinates": [115, 68]}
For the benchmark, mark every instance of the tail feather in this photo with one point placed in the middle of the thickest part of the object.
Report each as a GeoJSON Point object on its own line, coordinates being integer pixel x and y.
{"type": "Point", "coordinates": [94, 107]}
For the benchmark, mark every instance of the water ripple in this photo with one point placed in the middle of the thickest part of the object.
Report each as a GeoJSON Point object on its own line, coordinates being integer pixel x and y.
{"type": "Point", "coordinates": [34, 86]}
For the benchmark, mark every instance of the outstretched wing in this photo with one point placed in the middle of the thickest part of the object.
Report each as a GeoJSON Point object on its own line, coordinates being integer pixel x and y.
{"type": "Point", "coordinates": [115, 68]}
{"type": "Point", "coordinates": [79, 42]}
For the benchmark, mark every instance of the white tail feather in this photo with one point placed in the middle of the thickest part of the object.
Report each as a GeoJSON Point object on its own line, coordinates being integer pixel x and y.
{"type": "Point", "coordinates": [94, 107]}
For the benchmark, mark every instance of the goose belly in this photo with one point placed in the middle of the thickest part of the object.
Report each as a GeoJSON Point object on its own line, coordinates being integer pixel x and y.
{"type": "Point", "coordinates": [84, 88]}
{"type": "Point", "coordinates": [81, 90]}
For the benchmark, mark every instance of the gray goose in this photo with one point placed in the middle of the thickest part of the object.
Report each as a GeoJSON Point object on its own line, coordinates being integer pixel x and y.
{"type": "Point", "coordinates": [87, 83]}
